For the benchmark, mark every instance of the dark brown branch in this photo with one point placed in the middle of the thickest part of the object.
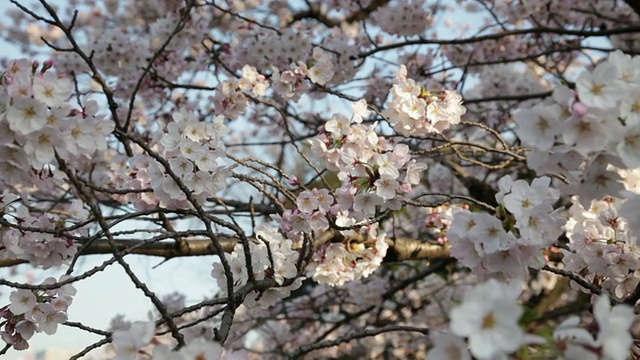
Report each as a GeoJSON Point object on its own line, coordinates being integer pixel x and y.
{"type": "Point", "coordinates": [500, 35]}
{"type": "Point", "coordinates": [595, 289]}
{"type": "Point", "coordinates": [509, 97]}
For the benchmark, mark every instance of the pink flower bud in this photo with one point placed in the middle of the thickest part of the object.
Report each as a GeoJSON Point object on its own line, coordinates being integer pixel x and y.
{"type": "Point", "coordinates": [293, 181]}
{"type": "Point", "coordinates": [406, 187]}
{"type": "Point", "coordinates": [46, 66]}
{"type": "Point", "coordinates": [579, 109]}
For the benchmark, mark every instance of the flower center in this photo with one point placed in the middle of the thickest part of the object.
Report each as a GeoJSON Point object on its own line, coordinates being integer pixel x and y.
{"type": "Point", "coordinates": [489, 321]}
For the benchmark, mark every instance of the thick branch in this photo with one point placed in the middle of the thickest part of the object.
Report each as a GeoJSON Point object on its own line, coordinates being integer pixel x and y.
{"type": "Point", "coordinates": [399, 249]}
{"type": "Point", "coordinates": [500, 35]}
{"type": "Point", "coordinates": [411, 249]}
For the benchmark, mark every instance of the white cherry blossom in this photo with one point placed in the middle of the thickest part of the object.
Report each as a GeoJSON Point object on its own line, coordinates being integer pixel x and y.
{"type": "Point", "coordinates": [488, 316]}
{"type": "Point", "coordinates": [596, 88]}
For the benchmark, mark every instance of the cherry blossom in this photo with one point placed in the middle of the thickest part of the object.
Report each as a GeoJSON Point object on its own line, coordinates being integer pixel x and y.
{"type": "Point", "coordinates": [488, 315]}
{"type": "Point", "coordinates": [129, 342]}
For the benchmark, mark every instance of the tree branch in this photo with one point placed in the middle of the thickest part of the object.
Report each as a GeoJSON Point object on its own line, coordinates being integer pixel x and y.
{"type": "Point", "coordinates": [354, 336]}
{"type": "Point", "coordinates": [400, 249]}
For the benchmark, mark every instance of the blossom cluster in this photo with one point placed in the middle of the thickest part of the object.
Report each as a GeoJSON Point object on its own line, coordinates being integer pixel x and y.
{"type": "Point", "coordinates": [602, 247]}
{"type": "Point", "coordinates": [333, 60]}
{"type": "Point", "coordinates": [36, 118]}
{"type": "Point", "coordinates": [403, 18]}
{"type": "Point", "coordinates": [438, 221]}
{"type": "Point", "coordinates": [357, 257]}
{"type": "Point", "coordinates": [417, 111]}
{"type": "Point", "coordinates": [590, 136]}
{"type": "Point", "coordinates": [34, 311]}
{"type": "Point", "coordinates": [140, 337]}
{"type": "Point", "coordinates": [230, 99]}
{"type": "Point", "coordinates": [286, 54]}
{"type": "Point", "coordinates": [613, 338]}
{"type": "Point", "coordinates": [310, 213]}
{"type": "Point", "coordinates": [582, 131]}
{"type": "Point", "coordinates": [321, 71]}
{"type": "Point", "coordinates": [290, 83]}
{"type": "Point", "coordinates": [195, 154]}
{"type": "Point", "coordinates": [271, 256]}
{"type": "Point", "coordinates": [266, 49]}
{"type": "Point", "coordinates": [122, 54]}
{"type": "Point", "coordinates": [374, 172]}
{"type": "Point", "coordinates": [374, 175]}
{"type": "Point", "coordinates": [42, 247]}
{"type": "Point", "coordinates": [508, 246]}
